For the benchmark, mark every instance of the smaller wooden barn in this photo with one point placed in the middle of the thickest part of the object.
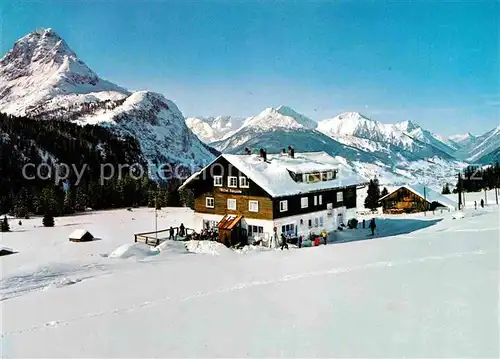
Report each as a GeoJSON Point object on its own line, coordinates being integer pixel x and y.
{"type": "Point", "coordinates": [81, 235]}
{"type": "Point", "coordinates": [414, 198]}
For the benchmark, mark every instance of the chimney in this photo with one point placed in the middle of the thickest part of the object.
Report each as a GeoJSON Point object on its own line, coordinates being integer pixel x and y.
{"type": "Point", "coordinates": [291, 152]}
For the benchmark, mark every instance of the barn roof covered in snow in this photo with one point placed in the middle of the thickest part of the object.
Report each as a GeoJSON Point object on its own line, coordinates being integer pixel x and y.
{"type": "Point", "coordinates": [78, 234]}
{"type": "Point", "coordinates": [274, 177]}
{"type": "Point", "coordinates": [428, 194]}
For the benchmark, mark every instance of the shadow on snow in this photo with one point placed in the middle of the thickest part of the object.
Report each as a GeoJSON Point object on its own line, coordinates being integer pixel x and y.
{"type": "Point", "coordinates": [386, 227]}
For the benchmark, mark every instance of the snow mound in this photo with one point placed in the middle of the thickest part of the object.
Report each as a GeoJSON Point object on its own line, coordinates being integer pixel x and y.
{"type": "Point", "coordinates": [139, 250]}
{"type": "Point", "coordinates": [172, 246]}
{"type": "Point", "coordinates": [207, 247]}
{"type": "Point", "coordinates": [458, 215]}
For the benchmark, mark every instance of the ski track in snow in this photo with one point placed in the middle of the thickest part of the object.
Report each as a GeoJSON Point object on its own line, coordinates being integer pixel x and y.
{"type": "Point", "coordinates": [57, 275]}
{"type": "Point", "coordinates": [242, 286]}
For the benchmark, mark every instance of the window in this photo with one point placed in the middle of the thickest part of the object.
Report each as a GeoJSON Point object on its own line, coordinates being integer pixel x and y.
{"type": "Point", "coordinates": [255, 230]}
{"type": "Point", "coordinates": [253, 206]}
{"type": "Point", "coordinates": [288, 229]}
{"type": "Point", "coordinates": [231, 204]}
{"type": "Point", "coordinates": [340, 196]}
{"type": "Point", "coordinates": [315, 200]}
{"type": "Point", "coordinates": [329, 175]}
{"type": "Point", "coordinates": [324, 176]}
{"type": "Point", "coordinates": [283, 206]}
{"type": "Point", "coordinates": [218, 181]}
{"type": "Point", "coordinates": [321, 221]}
{"type": "Point", "coordinates": [314, 177]}
{"type": "Point", "coordinates": [316, 222]}
{"type": "Point", "coordinates": [232, 181]}
{"type": "Point", "coordinates": [209, 202]}
{"type": "Point", "coordinates": [320, 199]}
{"type": "Point", "coordinates": [304, 202]}
{"type": "Point", "coordinates": [209, 224]}
{"type": "Point", "coordinates": [244, 182]}
{"type": "Point", "coordinates": [310, 223]}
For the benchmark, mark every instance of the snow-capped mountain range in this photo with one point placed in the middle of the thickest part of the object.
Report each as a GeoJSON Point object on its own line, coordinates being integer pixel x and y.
{"type": "Point", "coordinates": [396, 153]}
{"type": "Point", "coordinates": [41, 77]}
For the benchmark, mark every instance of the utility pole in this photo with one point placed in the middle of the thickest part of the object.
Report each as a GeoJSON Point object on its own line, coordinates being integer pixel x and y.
{"type": "Point", "coordinates": [156, 216]}
{"type": "Point", "coordinates": [425, 200]}
{"type": "Point", "coordinates": [459, 191]}
{"type": "Point", "coordinates": [485, 197]}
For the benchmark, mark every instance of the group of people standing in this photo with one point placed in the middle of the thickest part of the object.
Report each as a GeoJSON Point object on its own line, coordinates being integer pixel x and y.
{"type": "Point", "coordinates": [181, 232]}
{"type": "Point", "coordinates": [315, 239]}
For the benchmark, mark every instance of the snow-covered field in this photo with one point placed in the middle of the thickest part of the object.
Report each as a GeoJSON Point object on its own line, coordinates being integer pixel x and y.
{"type": "Point", "coordinates": [424, 286]}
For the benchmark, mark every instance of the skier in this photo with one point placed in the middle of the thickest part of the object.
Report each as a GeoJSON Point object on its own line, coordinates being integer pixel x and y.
{"type": "Point", "coordinates": [171, 231]}
{"type": "Point", "coordinates": [182, 230]}
{"type": "Point", "coordinates": [283, 242]}
{"type": "Point", "coordinates": [482, 203]}
{"type": "Point", "coordinates": [475, 205]}
{"type": "Point", "coordinates": [325, 235]}
{"type": "Point", "coordinates": [364, 226]}
{"type": "Point", "coordinates": [20, 223]}
{"type": "Point", "coordinates": [373, 226]}
{"type": "Point", "coordinates": [300, 241]}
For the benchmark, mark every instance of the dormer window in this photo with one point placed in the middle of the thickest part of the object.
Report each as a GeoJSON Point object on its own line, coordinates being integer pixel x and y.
{"type": "Point", "coordinates": [314, 177]}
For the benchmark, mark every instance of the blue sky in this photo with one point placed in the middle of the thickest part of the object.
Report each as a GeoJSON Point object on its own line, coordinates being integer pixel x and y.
{"type": "Point", "coordinates": [429, 62]}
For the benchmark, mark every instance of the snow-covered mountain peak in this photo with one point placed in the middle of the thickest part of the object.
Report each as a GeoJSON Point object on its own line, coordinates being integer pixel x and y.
{"type": "Point", "coordinates": [462, 137]}
{"type": "Point", "coordinates": [355, 124]}
{"type": "Point", "coordinates": [40, 47]}
{"type": "Point", "coordinates": [41, 77]}
{"type": "Point", "coordinates": [211, 129]}
{"type": "Point", "coordinates": [281, 118]}
{"type": "Point", "coordinates": [352, 116]}
{"type": "Point", "coordinates": [349, 127]}
{"type": "Point", "coordinates": [408, 126]}
{"type": "Point", "coordinates": [40, 67]}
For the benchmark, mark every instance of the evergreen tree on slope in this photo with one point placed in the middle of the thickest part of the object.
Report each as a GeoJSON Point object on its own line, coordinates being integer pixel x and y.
{"type": "Point", "coordinates": [371, 200]}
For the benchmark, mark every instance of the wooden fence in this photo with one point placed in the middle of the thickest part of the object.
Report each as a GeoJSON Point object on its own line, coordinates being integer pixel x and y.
{"type": "Point", "coordinates": [156, 237]}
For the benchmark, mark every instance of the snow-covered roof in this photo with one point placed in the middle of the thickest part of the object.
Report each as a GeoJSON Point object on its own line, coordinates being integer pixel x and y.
{"type": "Point", "coordinates": [425, 192]}
{"type": "Point", "coordinates": [273, 176]}
{"type": "Point", "coordinates": [78, 233]}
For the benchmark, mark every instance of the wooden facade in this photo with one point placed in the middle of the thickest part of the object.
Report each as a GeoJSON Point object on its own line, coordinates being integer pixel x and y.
{"type": "Point", "coordinates": [405, 201]}
{"type": "Point", "coordinates": [268, 207]}
{"type": "Point", "coordinates": [243, 195]}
